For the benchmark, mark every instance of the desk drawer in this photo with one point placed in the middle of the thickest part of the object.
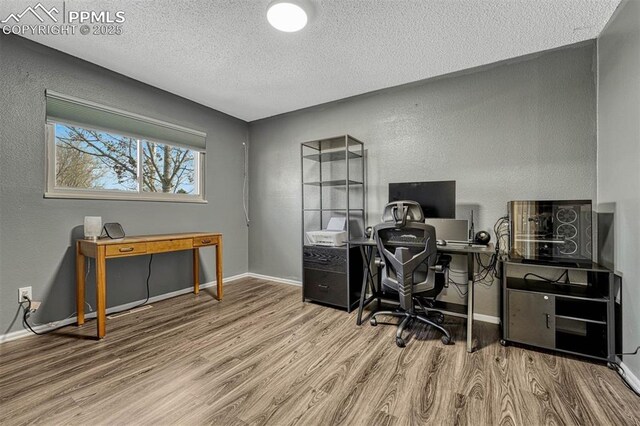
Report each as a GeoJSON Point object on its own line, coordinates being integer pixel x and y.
{"type": "Point", "coordinates": [205, 241]}
{"type": "Point", "coordinates": [325, 258]}
{"type": "Point", "coordinates": [126, 249]}
{"type": "Point", "coordinates": [169, 246]}
{"type": "Point", "coordinates": [325, 286]}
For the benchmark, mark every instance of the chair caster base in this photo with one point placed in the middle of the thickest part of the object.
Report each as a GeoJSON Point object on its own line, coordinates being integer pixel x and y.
{"type": "Point", "coordinates": [373, 322]}
{"type": "Point", "coordinates": [400, 342]}
{"type": "Point", "coordinates": [445, 340]}
{"type": "Point", "coordinates": [503, 342]}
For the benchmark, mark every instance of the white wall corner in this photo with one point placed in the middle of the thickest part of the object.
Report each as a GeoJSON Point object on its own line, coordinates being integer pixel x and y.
{"type": "Point", "coordinates": [632, 379]}
{"type": "Point", "coordinates": [275, 279]}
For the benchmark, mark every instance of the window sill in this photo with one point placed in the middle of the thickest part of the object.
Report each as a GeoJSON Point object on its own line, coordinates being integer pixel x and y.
{"type": "Point", "coordinates": [119, 197]}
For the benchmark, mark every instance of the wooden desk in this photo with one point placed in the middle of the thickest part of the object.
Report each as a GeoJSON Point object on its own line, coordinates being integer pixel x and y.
{"type": "Point", "coordinates": [102, 250]}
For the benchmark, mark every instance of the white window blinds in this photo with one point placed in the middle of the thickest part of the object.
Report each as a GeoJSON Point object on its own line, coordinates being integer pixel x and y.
{"type": "Point", "coordinates": [67, 109]}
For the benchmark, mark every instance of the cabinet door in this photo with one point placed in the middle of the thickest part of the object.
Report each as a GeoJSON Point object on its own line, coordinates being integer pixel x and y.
{"type": "Point", "coordinates": [531, 318]}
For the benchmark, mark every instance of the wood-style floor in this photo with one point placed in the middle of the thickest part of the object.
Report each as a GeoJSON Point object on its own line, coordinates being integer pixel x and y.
{"type": "Point", "coordinates": [263, 357]}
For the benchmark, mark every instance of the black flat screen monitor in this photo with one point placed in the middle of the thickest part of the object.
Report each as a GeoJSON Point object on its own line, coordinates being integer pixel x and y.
{"type": "Point", "coordinates": [437, 199]}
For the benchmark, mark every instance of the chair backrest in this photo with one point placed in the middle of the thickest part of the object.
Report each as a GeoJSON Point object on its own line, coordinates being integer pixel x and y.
{"type": "Point", "coordinates": [401, 212]}
{"type": "Point", "coordinates": [408, 249]}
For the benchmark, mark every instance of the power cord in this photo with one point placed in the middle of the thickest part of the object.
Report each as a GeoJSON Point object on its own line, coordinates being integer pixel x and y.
{"type": "Point", "coordinates": [623, 375]}
{"type": "Point", "coordinates": [27, 309]}
{"type": "Point", "coordinates": [148, 292]}
{"type": "Point", "coordinates": [488, 272]}
{"type": "Point", "coordinates": [458, 289]}
{"type": "Point", "coordinates": [55, 323]}
{"type": "Point", "coordinates": [630, 353]}
{"type": "Point", "coordinates": [148, 278]}
{"type": "Point", "coordinates": [25, 317]}
{"type": "Point", "coordinates": [564, 275]}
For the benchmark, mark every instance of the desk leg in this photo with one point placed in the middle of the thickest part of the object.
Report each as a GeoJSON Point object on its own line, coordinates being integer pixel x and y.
{"type": "Point", "coordinates": [365, 282]}
{"type": "Point", "coordinates": [219, 269]}
{"type": "Point", "coordinates": [470, 273]}
{"type": "Point", "coordinates": [101, 291]}
{"type": "Point", "coordinates": [368, 282]}
{"type": "Point", "coordinates": [80, 272]}
{"type": "Point", "coordinates": [376, 283]}
{"type": "Point", "coordinates": [196, 271]}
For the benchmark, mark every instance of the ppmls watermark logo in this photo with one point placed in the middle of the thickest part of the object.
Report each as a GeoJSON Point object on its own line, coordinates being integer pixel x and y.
{"type": "Point", "coordinates": [58, 20]}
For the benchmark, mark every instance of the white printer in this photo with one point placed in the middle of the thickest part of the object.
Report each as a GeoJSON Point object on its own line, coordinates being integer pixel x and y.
{"type": "Point", "coordinates": [334, 236]}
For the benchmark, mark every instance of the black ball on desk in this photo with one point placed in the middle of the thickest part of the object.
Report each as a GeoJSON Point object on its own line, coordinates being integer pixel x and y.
{"type": "Point", "coordinates": [482, 237]}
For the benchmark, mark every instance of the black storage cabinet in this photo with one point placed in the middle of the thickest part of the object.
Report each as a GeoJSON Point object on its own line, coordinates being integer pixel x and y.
{"type": "Point", "coordinates": [332, 187]}
{"type": "Point", "coordinates": [575, 318]}
{"type": "Point", "coordinates": [329, 279]}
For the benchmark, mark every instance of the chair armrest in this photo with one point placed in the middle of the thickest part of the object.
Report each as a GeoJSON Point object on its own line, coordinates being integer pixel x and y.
{"type": "Point", "coordinates": [442, 264]}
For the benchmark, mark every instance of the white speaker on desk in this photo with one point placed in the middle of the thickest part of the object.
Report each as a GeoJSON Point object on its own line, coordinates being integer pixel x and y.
{"type": "Point", "coordinates": [92, 227]}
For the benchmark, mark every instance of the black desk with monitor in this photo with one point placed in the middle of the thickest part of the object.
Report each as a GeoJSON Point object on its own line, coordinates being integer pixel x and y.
{"type": "Point", "coordinates": [369, 284]}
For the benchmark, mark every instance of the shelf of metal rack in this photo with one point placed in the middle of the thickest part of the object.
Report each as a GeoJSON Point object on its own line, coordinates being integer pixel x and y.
{"type": "Point", "coordinates": [337, 182]}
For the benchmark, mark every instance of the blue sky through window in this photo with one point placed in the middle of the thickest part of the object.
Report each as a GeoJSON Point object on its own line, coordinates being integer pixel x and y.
{"type": "Point", "coordinates": [99, 160]}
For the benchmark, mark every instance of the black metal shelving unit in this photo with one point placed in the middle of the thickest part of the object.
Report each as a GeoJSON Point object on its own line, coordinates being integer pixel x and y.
{"type": "Point", "coordinates": [333, 176]}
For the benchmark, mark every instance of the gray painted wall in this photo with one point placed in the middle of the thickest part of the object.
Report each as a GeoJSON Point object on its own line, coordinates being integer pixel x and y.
{"type": "Point", "coordinates": [619, 158]}
{"type": "Point", "coordinates": [36, 233]}
{"type": "Point", "coordinates": [520, 130]}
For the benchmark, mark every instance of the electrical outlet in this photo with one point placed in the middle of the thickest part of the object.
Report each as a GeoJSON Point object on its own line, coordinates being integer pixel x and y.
{"type": "Point", "coordinates": [25, 291]}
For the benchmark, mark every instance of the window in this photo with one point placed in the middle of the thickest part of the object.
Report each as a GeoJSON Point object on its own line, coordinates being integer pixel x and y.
{"type": "Point", "coordinates": [168, 169]}
{"type": "Point", "coordinates": [86, 162]}
{"type": "Point", "coordinates": [91, 159]}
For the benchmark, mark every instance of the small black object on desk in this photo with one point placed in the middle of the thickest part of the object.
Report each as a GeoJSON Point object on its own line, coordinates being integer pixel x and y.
{"type": "Point", "coordinates": [482, 237]}
{"type": "Point", "coordinates": [113, 231]}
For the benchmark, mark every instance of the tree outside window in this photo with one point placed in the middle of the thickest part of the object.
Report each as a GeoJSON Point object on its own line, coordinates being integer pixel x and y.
{"type": "Point", "coordinates": [98, 160]}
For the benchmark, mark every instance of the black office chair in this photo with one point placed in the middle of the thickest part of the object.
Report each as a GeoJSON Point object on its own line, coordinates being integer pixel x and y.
{"type": "Point", "coordinates": [412, 267]}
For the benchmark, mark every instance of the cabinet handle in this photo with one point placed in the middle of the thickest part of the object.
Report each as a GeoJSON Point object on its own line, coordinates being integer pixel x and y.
{"type": "Point", "coordinates": [547, 315]}
{"type": "Point", "coordinates": [323, 286]}
{"type": "Point", "coordinates": [126, 249]}
{"type": "Point", "coordinates": [205, 241]}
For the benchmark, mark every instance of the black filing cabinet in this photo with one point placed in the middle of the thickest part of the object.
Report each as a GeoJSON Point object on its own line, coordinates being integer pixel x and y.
{"type": "Point", "coordinates": [332, 275]}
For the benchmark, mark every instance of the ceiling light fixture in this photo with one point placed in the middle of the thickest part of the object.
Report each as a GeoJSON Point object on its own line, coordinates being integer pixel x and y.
{"type": "Point", "coordinates": [288, 15]}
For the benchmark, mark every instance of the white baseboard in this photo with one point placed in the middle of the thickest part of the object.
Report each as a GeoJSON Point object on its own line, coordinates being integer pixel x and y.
{"type": "Point", "coordinates": [276, 279]}
{"type": "Point", "coordinates": [486, 318]}
{"type": "Point", "coordinates": [632, 379]}
{"type": "Point", "coordinates": [55, 324]}
{"type": "Point", "coordinates": [477, 317]}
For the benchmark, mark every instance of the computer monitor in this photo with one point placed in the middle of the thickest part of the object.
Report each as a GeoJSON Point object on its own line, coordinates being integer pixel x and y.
{"type": "Point", "coordinates": [437, 198]}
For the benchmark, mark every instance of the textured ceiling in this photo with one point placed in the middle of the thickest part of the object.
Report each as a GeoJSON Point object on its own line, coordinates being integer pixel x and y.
{"type": "Point", "coordinates": [224, 54]}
